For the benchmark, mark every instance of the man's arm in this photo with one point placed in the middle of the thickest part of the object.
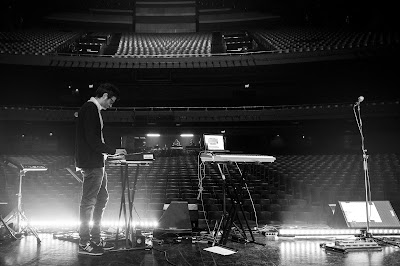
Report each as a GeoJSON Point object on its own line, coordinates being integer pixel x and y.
{"type": "Point", "coordinates": [91, 126]}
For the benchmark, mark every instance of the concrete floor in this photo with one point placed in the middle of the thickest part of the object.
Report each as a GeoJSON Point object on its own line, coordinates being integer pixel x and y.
{"type": "Point", "coordinates": [56, 249]}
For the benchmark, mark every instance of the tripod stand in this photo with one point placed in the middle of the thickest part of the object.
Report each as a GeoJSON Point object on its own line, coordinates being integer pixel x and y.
{"type": "Point", "coordinates": [17, 216]}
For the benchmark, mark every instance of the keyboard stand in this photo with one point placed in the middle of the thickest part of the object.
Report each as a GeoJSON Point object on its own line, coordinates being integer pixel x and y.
{"type": "Point", "coordinates": [131, 234]}
{"type": "Point", "coordinates": [221, 170]}
{"type": "Point", "coordinates": [9, 230]}
{"type": "Point", "coordinates": [234, 191]}
{"type": "Point", "coordinates": [17, 215]}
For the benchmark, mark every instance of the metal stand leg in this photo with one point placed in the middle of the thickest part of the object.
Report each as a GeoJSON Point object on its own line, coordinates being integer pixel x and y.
{"type": "Point", "coordinates": [124, 182]}
{"type": "Point", "coordinates": [131, 234]}
{"type": "Point", "coordinates": [221, 170]}
{"type": "Point", "coordinates": [235, 194]}
{"type": "Point", "coordinates": [11, 231]}
{"type": "Point", "coordinates": [18, 216]}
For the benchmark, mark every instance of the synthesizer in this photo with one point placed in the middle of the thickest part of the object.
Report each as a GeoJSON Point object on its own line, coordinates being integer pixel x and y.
{"type": "Point", "coordinates": [131, 158]}
{"type": "Point", "coordinates": [240, 158]}
{"type": "Point", "coordinates": [25, 163]}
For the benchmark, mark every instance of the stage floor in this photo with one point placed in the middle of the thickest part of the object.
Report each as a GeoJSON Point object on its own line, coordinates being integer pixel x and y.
{"type": "Point", "coordinates": [283, 251]}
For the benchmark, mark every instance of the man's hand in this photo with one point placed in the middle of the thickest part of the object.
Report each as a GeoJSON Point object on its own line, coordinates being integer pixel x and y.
{"type": "Point", "coordinates": [120, 152]}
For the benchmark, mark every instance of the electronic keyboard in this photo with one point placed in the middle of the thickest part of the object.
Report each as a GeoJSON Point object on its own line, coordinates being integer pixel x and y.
{"type": "Point", "coordinates": [132, 158]}
{"type": "Point", "coordinates": [209, 157]}
{"type": "Point", "coordinates": [25, 163]}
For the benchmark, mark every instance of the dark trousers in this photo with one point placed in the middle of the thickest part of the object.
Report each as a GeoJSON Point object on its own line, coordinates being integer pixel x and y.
{"type": "Point", "coordinates": [93, 202]}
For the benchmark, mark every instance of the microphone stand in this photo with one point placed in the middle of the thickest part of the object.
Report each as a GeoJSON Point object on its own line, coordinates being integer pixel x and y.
{"type": "Point", "coordinates": [365, 241]}
{"type": "Point", "coordinates": [365, 166]}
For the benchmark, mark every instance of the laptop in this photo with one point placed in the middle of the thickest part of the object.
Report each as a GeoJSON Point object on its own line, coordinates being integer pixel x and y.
{"type": "Point", "coordinates": [214, 143]}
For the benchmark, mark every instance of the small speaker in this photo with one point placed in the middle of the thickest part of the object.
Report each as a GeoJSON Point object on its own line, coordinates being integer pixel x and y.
{"type": "Point", "coordinates": [174, 222]}
{"type": "Point", "coordinates": [353, 214]}
{"type": "Point", "coordinates": [137, 239]}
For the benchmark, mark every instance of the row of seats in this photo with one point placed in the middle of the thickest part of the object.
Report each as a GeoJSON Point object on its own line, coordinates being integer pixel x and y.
{"type": "Point", "coordinates": [33, 42]}
{"type": "Point", "coordinates": [320, 179]}
{"type": "Point", "coordinates": [293, 188]}
{"type": "Point", "coordinates": [306, 39]}
{"type": "Point", "coordinates": [142, 44]}
{"type": "Point", "coordinates": [282, 40]}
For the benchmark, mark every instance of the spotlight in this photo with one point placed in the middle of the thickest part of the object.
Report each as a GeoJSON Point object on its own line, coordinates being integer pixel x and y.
{"type": "Point", "coordinates": [153, 135]}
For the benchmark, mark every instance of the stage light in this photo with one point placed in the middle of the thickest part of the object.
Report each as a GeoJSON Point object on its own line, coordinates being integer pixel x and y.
{"type": "Point", "coordinates": [58, 224]}
{"type": "Point", "coordinates": [153, 135]}
{"type": "Point", "coordinates": [54, 223]}
{"type": "Point", "coordinates": [187, 135]}
{"type": "Point", "coordinates": [330, 232]}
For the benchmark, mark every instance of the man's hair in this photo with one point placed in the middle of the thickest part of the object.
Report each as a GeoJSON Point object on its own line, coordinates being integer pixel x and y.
{"type": "Point", "coordinates": [108, 88]}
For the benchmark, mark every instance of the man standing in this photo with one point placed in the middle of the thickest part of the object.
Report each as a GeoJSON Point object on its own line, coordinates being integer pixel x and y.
{"type": "Point", "coordinates": [90, 154]}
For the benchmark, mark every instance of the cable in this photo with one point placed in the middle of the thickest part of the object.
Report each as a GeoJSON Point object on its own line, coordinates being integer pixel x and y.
{"type": "Point", "coordinates": [200, 176]}
{"type": "Point", "coordinates": [248, 192]}
{"type": "Point", "coordinates": [165, 255]}
{"type": "Point", "coordinates": [252, 204]}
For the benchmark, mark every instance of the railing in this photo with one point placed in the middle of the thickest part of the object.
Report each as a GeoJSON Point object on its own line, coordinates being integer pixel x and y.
{"type": "Point", "coordinates": [203, 114]}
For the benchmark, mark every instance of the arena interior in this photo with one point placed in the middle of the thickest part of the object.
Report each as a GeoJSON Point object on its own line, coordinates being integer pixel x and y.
{"type": "Point", "coordinates": [311, 84]}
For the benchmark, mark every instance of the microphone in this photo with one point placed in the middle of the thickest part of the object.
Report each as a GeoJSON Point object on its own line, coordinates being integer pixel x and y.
{"type": "Point", "coordinates": [359, 100]}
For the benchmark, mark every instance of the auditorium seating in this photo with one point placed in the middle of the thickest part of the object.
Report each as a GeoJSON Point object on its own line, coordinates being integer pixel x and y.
{"type": "Point", "coordinates": [290, 39]}
{"type": "Point", "coordinates": [36, 42]}
{"type": "Point", "coordinates": [293, 189]}
{"type": "Point", "coordinates": [179, 44]}
{"type": "Point", "coordinates": [282, 39]}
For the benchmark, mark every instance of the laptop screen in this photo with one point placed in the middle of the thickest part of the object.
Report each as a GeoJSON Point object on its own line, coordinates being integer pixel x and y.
{"type": "Point", "coordinates": [214, 142]}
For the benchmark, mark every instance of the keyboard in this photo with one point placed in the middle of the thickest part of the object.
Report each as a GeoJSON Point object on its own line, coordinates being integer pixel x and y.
{"type": "Point", "coordinates": [139, 157]}
{"type": "Point", "coordinates": [132, 158]}
{"type": "Point", "coordinates": [237, 158]}
{"type": "Point", "coordinates": [25, 163]}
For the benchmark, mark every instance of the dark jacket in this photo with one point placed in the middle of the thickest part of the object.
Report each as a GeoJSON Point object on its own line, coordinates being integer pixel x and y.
{"type": "Point", "coordinates": [89, 148]}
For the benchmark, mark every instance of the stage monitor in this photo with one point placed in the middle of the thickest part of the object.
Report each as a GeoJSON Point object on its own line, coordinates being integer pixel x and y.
{"type": "Point", "coordinates": [353, 214]}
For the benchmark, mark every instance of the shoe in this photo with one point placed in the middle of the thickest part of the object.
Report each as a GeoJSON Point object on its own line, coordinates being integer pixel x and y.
{"type": "Point", "coordinates": [90, 249]}
{"type": "Point", "coordinates": [105, 245]}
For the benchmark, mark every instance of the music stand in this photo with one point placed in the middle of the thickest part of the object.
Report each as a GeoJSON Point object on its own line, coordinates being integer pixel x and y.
{"type": "Point", "coordinates": [17, 214]}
